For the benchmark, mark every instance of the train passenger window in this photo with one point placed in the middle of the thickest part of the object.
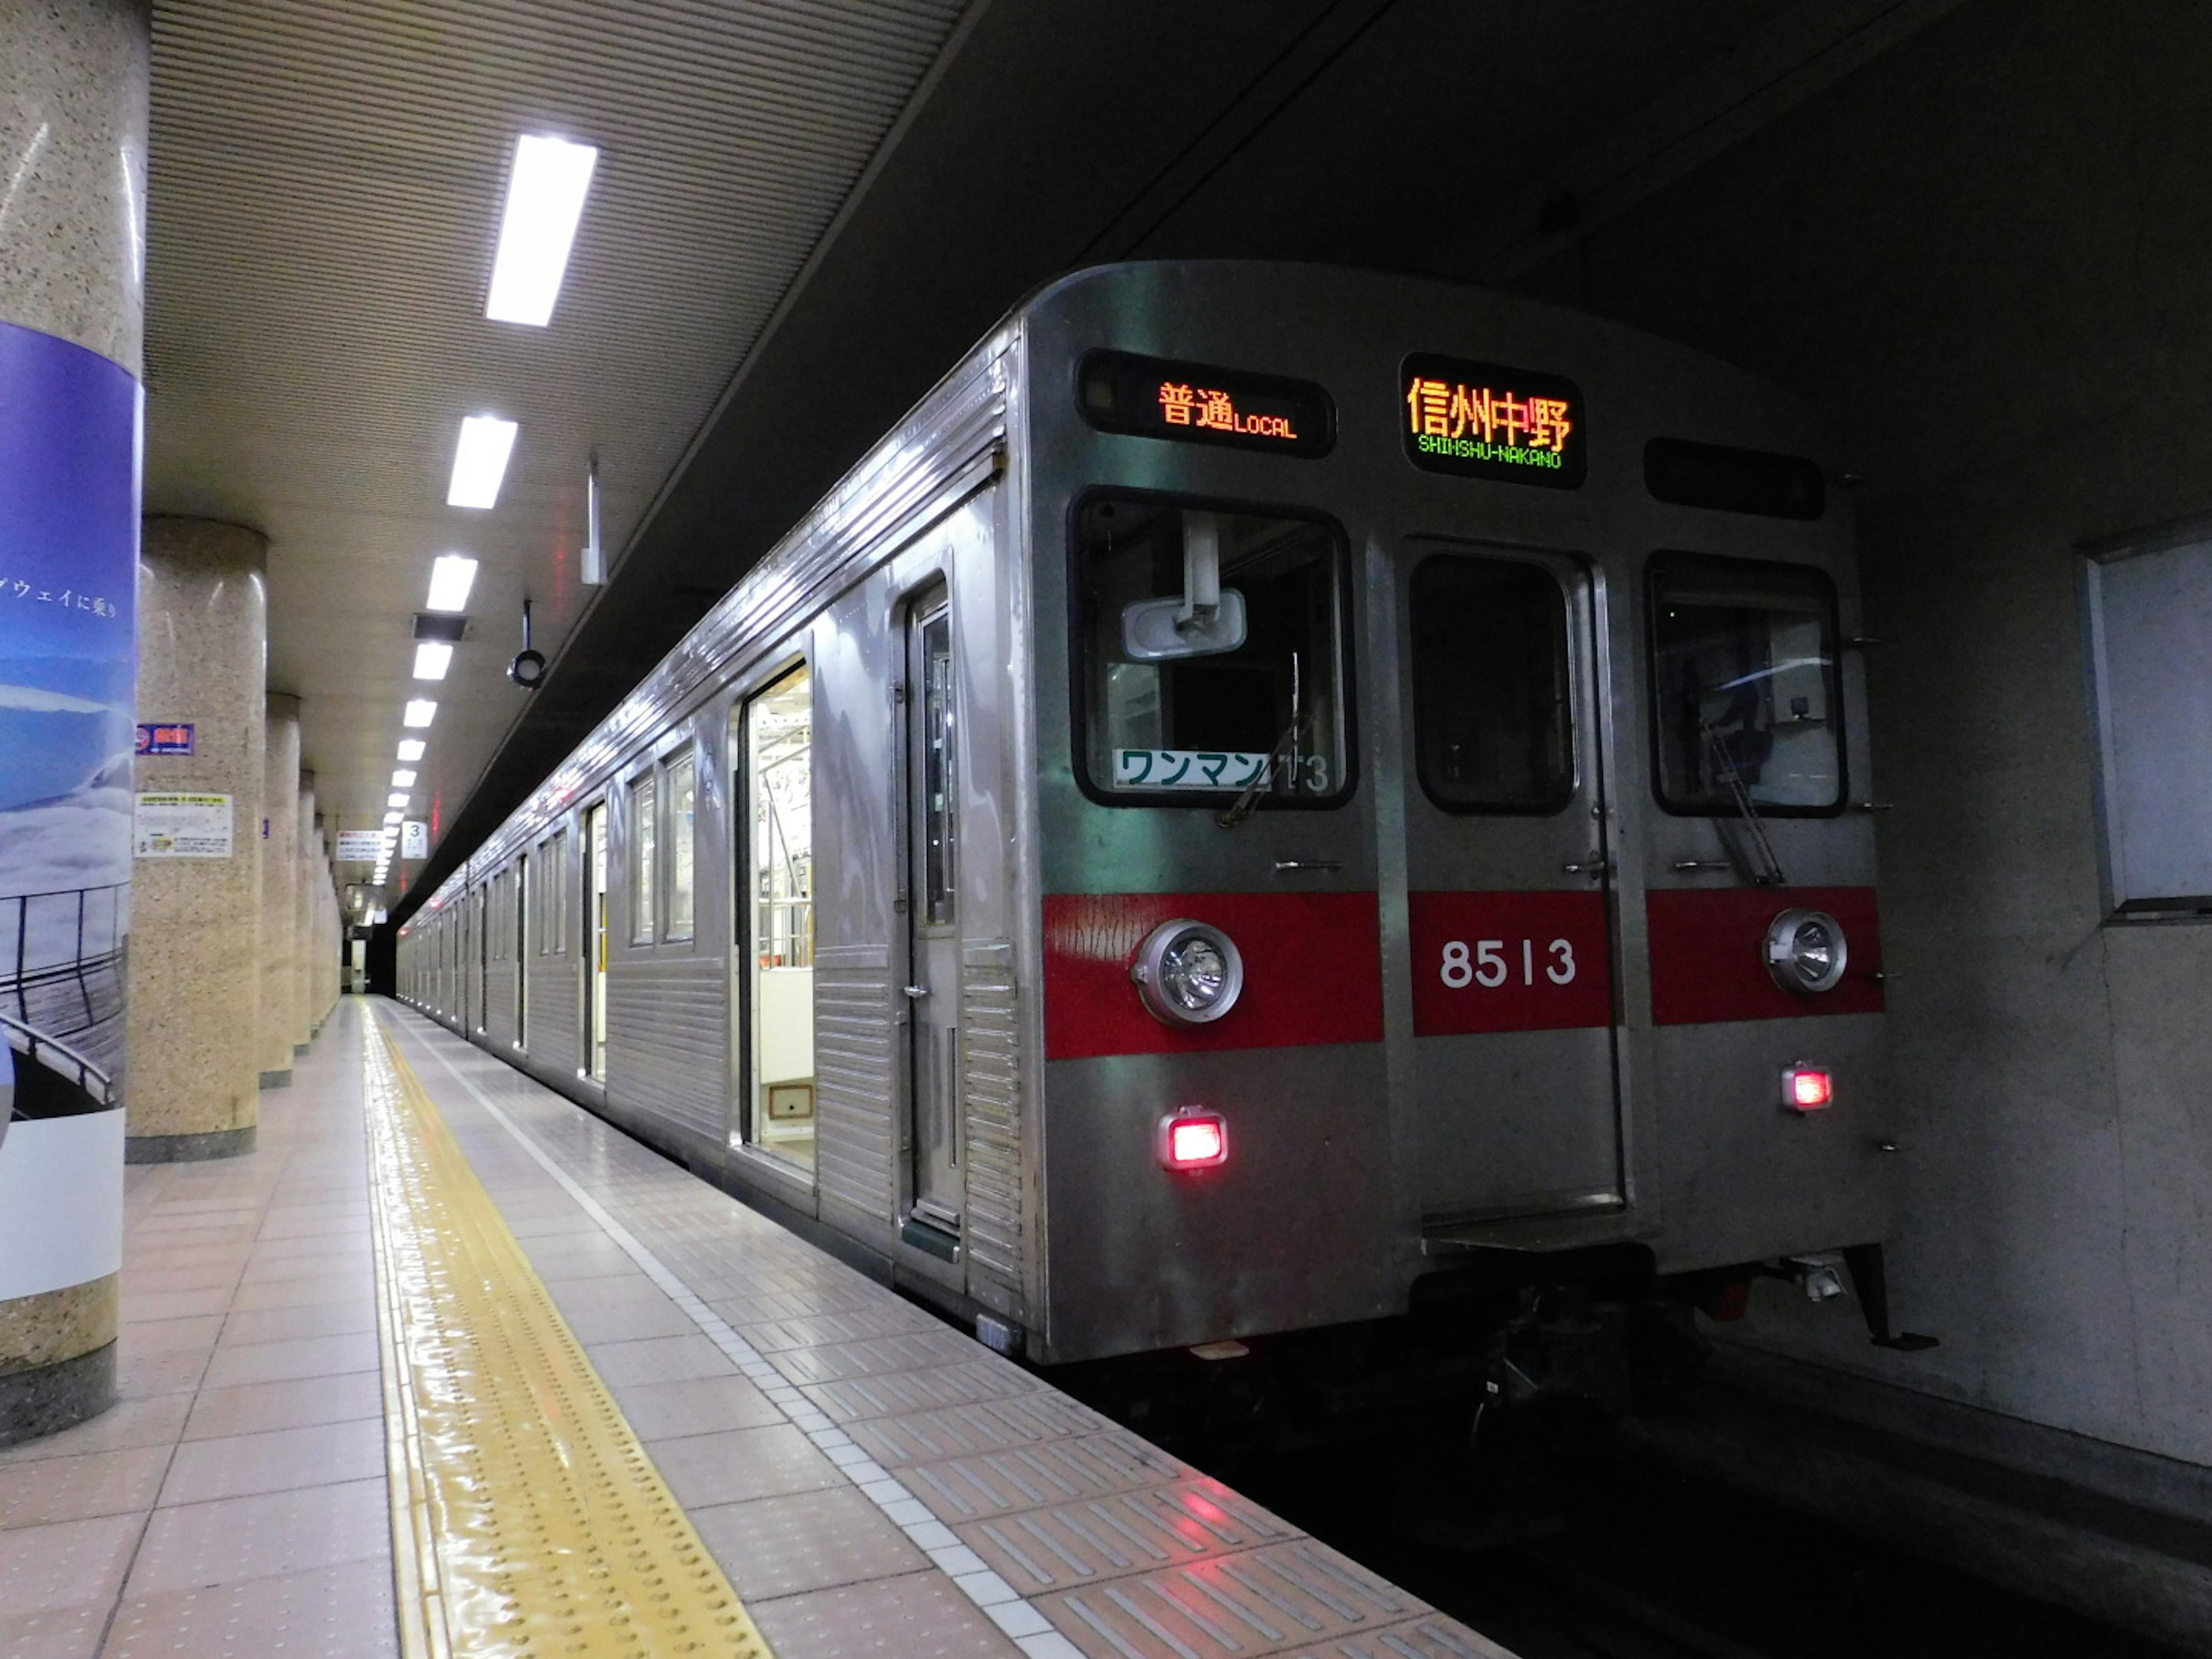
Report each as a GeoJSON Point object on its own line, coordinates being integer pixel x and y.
{"type": "Point", "coordinates": [1744, 691]}
{"type": "Point", "coordinates": [682, 791]}
{"type": "Point", "coordinates": [1211, 647]}
{"type": "Point", "coordinates": [778, 913]}
{"type": "Point", "coordinates": [553, 907]}
{"type": "Point", "coordinates": [642, 855]}
{"type": "Point", "coordinates": [1492, 716]}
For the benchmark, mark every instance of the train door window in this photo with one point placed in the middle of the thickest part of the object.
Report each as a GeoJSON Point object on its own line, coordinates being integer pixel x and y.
{"type": "Point", "coordinates": [933, 1126]}
{"type": "Point", "coordinates": [521, 952]}
{"type": "Point", "coordinates": [1493, 698]}
{"type": "Point", "coordinates": [643, 849]}
{"type": "Point", "coordinates": [682, 778]}
{"type": "Point", "coordinates": [1211, 655]}
{"type": "Point", "coordinates": [1745, 694]}
{"type": "Point", "coordinates": [595, 941]}
{"type": "Point", "coordinates": [553, 915]}
{"type": "Point", "coordinates": [777, 876]}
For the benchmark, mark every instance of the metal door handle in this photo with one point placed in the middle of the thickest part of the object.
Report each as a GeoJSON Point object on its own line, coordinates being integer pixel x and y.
{"type": "Point", "coordinates": [917, 992]}
{"type": "Point", "coordinates": [1687, 865]}
{"type": "Point", "coordinates": [1309, 864]}
{"type": "Point", "coordinates": [1596, 864]}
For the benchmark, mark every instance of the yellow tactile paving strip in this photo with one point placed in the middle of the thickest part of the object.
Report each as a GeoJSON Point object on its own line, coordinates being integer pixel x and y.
{"type": "Point", "coordinates": [526, 1518]}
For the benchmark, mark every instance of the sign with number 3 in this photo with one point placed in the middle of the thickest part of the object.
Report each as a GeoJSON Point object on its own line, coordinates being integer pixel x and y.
{"type": "Point", "coordinates": [1508, 962]}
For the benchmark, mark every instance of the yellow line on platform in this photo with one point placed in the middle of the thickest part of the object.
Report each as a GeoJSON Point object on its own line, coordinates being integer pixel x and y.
{"type": "Point", "coordinates": [526, 1519]}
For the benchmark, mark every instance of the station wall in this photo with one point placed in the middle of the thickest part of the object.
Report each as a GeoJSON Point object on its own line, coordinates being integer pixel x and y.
{"type": "Point", "coordinates": [1988, 255]}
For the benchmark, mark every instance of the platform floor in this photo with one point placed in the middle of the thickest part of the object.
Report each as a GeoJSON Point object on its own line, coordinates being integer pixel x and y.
{"type": "Point", "coordinates": [870, 1481]}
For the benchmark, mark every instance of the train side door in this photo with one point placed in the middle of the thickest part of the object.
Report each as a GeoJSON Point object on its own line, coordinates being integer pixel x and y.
{"type": "Point", "coordinates": [1509, 890]}
{"type": "Point", "coordinates": [931, 1130]}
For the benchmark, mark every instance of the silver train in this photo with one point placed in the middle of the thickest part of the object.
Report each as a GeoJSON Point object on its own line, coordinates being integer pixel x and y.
{"type": "Point", "coordinates": [1274, 792]}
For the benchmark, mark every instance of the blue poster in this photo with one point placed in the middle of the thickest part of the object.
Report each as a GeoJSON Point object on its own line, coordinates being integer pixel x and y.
{"type": "Point", "coordinates": [69, 421]}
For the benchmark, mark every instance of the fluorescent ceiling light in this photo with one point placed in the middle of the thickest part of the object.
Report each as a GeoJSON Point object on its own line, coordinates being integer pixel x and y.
{"type": "Point", "coordinates": [421, 711]}
{"type": "Point", "coordinates": [432, 660]}
{"type": "Point", "coordinates": [397, 798]}
{"type": "Point", "coordinates": [402, 779]}
{"type": "Point", "coordinates": [394, 816]}
{"type": "Point", "coordinates": [546, 193]}
{"type": "Point", "coordinates": [411, 748]}
{"type": "Point", "coordinates": [451, 576]}
{"type": "Point", "coordinates": [480, 461]}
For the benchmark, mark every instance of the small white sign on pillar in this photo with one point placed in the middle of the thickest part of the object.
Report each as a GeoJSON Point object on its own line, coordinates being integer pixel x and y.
{"type": "Point", "coordinates": [181, 826]}
{"type": "Point", "coordinates": [413, 839]}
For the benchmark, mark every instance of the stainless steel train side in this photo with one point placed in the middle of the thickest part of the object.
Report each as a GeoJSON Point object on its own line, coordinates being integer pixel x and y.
{"type": "Point", "coordinates": [1473, 1027]}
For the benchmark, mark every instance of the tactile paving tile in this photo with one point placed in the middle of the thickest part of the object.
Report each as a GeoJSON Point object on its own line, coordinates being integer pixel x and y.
{"type": "Point", "coordinates": [69, 1564]}
{"type": "Point", "coordinates": [987, 1426]}
{"type": "Point", "coordinates": [1255, 1602]}
{"type": "Point", "coordinates": [853, 1325]}
{"type": "Point", "coordinates": [920, 1616]}
{"type": "Point", "coordinates": [1433, 1638]}
{"type": "Point", "coordinates": [1028, 1477]}
{"type": "Point", "coordinates": [898, 1392]}
{"type": "Point", "coordinates": [528, 1516]}
{"type": "Point", "coordinates": [1066, 1545]}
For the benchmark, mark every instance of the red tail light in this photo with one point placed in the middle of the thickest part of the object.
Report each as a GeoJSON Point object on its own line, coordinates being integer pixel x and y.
{"type": "Point", "coordinates": [1807, 1088]}
{"type": "Point", "coordinates": [1193, 1140]}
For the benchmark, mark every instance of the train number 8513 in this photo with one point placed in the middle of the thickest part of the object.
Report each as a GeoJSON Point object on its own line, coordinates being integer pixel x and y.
{"type": "Point", "coordinates": [1489, 966]}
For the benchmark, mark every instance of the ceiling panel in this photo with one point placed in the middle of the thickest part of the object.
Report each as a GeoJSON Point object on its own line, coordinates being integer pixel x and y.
{"type": "Point", "coordinates": [325, 187]}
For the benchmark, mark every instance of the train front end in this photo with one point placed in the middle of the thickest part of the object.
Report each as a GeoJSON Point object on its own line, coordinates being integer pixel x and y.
{"type": "Point", "coordinates": [1450, 861]}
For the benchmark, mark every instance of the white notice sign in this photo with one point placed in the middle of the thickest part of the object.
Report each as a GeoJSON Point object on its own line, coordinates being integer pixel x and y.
{"type": "Point", "coordinates": [359, 846]}
{"type": "Point", "coordinates": [414, 840]}
{"type": "Point", "coordinates": [177, 826]}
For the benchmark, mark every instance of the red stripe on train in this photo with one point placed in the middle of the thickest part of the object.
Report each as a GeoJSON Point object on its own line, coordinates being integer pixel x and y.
{"type": "Point", "coordinates": [1707, 954]}
{"type": "Point", "coordinates": [1313, 971]}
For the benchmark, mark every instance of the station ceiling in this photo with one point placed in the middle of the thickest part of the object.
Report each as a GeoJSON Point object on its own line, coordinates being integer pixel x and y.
{"type": "Point", "coordinates": [803, 212]}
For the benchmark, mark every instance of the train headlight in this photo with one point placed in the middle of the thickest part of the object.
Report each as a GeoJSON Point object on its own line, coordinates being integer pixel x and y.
{"type": "Point", "coordinates": [1188, 973]}
{"type": "Point", "coordinates": [1807, 951]}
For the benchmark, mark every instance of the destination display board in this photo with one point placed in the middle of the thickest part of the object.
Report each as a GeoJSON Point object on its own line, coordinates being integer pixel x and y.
{"type": "Point", "coordinates": [1487, 421]}
{"type": "Point", "coordinates": [1196, 403]}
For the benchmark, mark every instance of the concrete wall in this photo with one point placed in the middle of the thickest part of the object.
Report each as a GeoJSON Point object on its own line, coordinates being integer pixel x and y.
{"type": "Point", "coordinates": [1989, 257]}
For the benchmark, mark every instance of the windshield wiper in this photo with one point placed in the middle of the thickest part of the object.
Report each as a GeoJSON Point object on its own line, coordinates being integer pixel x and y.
{"type": "Point", "coordinates": [1767, 871]}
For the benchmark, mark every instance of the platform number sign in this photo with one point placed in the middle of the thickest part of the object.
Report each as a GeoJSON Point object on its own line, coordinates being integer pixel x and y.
{"type": "Point", "coordinates": [1508, 962]}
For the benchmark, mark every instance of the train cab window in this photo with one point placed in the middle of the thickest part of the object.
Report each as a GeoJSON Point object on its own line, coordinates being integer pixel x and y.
{"type": "Point", "coordinates": [1492, 717]}
{"type": "Point", "coordinates": [683, 814]}
{"type": "Point", "coordinates": [641, 858]}
{"type": "Point", "coordinates": [1745, 692]}
{"type": "Point", "coordinates": [1211, 654]}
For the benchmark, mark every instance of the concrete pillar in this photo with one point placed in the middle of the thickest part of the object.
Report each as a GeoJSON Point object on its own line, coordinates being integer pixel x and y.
{"type": "Point", "coordinates": [73, 79]}
{"type": "Point", "coordinates": [196, 910]}
{"type": "Point", "coordinates": [303, 896]}
{"type": "Point", "coordinates": [280, 917]}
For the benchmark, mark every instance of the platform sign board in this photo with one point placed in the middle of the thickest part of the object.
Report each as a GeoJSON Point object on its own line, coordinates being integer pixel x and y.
{"type": "Point", "coordinates": [181, 826]}
{"type": "Point", "coordinates": [413, 839]}
{"type": "Point", "coordinates": [165, 737]}
{"type": "Point", "coordinates": [359, 846]}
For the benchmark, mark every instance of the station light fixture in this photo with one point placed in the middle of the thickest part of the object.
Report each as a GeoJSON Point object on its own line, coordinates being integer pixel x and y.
{"type": "Point", "coordinates": [452, 575]}
{"type": "Point", "coordinates": [395, 816]}
{"type": "Point", "coordinates": [421, 711]}
{"type": "Point", "coordinates": [402, 779]}
{"type": "Point", "coordinates": [397, 798]}
{"type": "Point", "coordinates": [480, 461]}
{"type": "Point", "coordinates": [545, 191]}
{"type": "Point", "coordinates": [431, 659]}
{"type": "Point", "coordinates": [1192, 1140]}
{"type": "Point", "coordinates": [411, 749]}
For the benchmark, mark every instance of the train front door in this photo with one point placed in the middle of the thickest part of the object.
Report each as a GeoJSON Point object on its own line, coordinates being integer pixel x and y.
{"type": "Point", "coordinates": [931, 1130]}
{"type": "Point", "coordinates": [1510, 888]}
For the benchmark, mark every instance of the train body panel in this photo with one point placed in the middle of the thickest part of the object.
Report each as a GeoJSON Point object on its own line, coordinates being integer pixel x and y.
{"type": "Point", "coordinates": [1495, 765]}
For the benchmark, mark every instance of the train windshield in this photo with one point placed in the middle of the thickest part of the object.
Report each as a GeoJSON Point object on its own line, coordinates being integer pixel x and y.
{"type": "Point", "coordinates": [1744, 686]}
{"type": "Point", "coordinates": [1213, 653]}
